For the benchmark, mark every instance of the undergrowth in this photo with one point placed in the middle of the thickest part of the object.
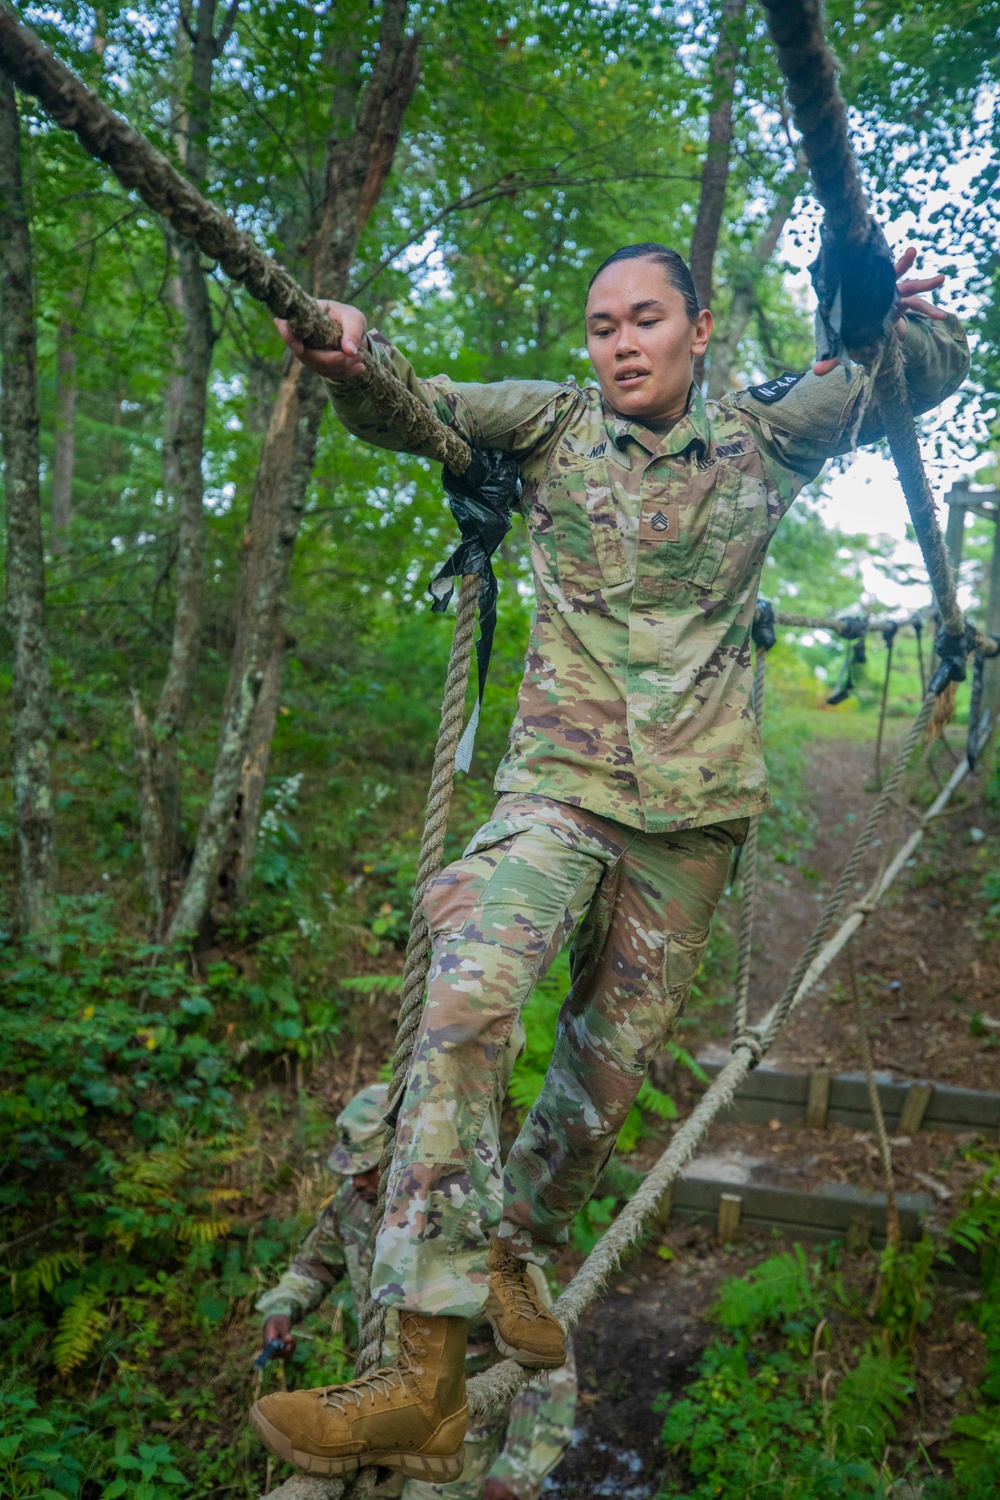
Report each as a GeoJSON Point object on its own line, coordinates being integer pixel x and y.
{"type": "Point", "coordinates": [807, 1392]}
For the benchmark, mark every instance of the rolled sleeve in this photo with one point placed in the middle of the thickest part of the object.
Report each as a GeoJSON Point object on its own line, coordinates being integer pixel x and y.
{"type": "Point", "coordinates": [514, 415]}
{"type": "Point", "coordinates": [317, 1267]}
{"type": "Point", "coordinates": [816, 416]}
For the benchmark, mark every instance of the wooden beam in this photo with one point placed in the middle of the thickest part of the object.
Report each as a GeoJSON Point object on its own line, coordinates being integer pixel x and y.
{"type": "Point", "coordinates": [730, 1209]}
{"type": "Point", "coordinates": [911, 1116]}
{"type": "Point", "coordinates": [818, 1103]}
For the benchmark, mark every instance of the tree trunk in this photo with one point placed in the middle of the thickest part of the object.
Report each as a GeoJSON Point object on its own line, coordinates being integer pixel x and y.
{"type": "Point", "coordinates": [65, 445]}
{"type": "Point", "coordinates": [186, 407]}
{"type": "Point", "coordinates": [715, 173]}
{"type": "Point", "coordinates": [253, 775]}
{"type": "Point", "coordinates": [356, 170]}
{"type": "Point", "coordinates": [187, 440]}
{"type": "Point", "coordinates": [25, 558]}
{"type": "Point", "coordinates": [726, 341]}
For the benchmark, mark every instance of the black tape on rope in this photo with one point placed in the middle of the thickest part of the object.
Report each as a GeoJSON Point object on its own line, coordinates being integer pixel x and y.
{"type": "Point", "coordinates": [856, 290]}
{"type": "Point", "coordinates": [852, 630]}
{"type": "Point", "coordinates": [482, 501]}
{"type": "Point", "coordinates": [763, 631]}
{"type": "Point", "coordinates": [953, 652]}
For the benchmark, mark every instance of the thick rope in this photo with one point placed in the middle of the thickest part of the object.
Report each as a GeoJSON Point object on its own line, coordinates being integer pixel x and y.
{"type": "Point", "coordinates": [750, 865]}
{"type": "Point", "coordinates": [810, 69]}
{"type": "Point", "coordinates": [140, 168]}
{"type": "Point", "coordinates": [837, 625]}
{"type": "Point", "coordinates": [418, 947]}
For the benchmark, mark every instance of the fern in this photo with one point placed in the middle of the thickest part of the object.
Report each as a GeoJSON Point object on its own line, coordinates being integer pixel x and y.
{"type": "Point", "coordinates": [778, 1290]}
{"type": "Point", "coordinates": [373, 984]}
{"type": "Point", "coordinates": [869, 1400]}
{"type": "Point", "coordinates": [80, 1327]}
{"type": "Point", "coordinates": [648, 1098]}
{"type": "Point", "coordinates": [681, 1055]}
{"type": "Point", "coordinates": [204, 1231]}
{"type": "Point", "coordinates": [44, 1275]}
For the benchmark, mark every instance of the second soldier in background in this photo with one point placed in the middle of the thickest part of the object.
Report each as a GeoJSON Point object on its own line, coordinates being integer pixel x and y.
{"type": "Point", "coordinates": [508, 1456]}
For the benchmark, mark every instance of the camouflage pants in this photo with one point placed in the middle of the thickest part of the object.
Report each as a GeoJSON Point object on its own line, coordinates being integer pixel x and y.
{"type": "Point", "coordinates": [532, 876]}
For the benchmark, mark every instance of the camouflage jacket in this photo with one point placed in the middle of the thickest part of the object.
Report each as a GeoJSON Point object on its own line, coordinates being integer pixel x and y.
{"type": "Point", "coordinates": [539, 1425]}
{"type": "Point", "coordinates": [647, 549]}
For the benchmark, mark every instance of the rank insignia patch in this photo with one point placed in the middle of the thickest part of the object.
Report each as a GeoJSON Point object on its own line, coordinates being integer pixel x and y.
{"type": "Point", "coordinates": [659, 521]}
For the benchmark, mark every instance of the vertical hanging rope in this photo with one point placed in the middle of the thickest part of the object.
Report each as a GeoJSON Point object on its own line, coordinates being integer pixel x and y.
{"type": "Point", "coordinates": [418, 948]}
{"type": "Point", "coordinates": [818, 109]}
{"type": "Point", "coordinates": [889, 633]}
{"type": "Point", "coordinates": [748, 901]}
{"type": "Point", "coordinates": [371, 1331]}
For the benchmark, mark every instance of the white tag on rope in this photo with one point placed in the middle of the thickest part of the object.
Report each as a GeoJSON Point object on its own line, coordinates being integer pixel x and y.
{"type": "Point", "coordinates": [466, 745]}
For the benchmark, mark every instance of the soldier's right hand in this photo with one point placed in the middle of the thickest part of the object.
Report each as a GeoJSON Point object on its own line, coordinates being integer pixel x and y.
{"type": "Point", "coordinates": [279, 1326]}
{"type": "Point", "coordinates": [334, 364]}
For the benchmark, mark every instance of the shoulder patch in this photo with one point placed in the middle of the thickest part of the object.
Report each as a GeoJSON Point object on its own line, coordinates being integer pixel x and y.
{"type": "Point", "coordinates": [773, 390]}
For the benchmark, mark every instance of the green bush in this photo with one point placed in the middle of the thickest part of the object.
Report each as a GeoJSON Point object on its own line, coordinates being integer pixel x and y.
{"type": "Point", "coordinates": [753, 1420]}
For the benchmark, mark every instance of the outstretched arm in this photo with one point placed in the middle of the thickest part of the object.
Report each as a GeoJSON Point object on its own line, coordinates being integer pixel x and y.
{"type": "Point", "coordinates": [801, 421]}
{"type": "Point", "coordinates": [514, 415]}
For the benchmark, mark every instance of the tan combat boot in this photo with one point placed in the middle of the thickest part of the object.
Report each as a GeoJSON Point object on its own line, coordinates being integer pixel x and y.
{"type": "Point", "coordinates": [410, 1416]}
{"type": "Point", "coordinates": [523, 1327]}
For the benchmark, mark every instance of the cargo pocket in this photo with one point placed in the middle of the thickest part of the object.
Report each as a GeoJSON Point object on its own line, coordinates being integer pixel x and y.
{"type": "Point", "coordinates": [650, 1023]}
{"type": "Point", "coordinates": [454, 893]}
{"type": "Point", "coordinates": [682, 960]}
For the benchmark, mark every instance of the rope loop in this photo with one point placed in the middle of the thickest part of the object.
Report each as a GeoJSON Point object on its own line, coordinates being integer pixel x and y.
{"type": "Point", "coordinates": [750, 1042]}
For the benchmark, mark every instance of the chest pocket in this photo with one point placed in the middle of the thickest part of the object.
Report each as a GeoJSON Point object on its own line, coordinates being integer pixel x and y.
{"type": "Point", "coordinates": [589, 551]}
{"type": "Point", "coordinates": [730, 533]}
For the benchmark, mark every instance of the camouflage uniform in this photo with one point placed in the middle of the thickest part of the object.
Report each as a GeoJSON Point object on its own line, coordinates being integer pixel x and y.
{"type": "Point", "coordinates": [634, 760]}
{"type": "Point", "coordinates": [520, 1446]}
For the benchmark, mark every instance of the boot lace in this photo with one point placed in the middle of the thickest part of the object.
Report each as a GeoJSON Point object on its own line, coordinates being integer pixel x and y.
{"type": "Point", "coordinates": [515, 1278]}
{"type": "Point", "coordinates": [379, 1382]}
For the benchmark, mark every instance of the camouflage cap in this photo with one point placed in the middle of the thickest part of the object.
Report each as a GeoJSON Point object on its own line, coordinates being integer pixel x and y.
{"type": "Point", "coordinates": [360, 1128]}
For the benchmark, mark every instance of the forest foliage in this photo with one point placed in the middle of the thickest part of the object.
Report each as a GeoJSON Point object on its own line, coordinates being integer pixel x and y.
{"type": "Point", "coordinates": [159, 1114]}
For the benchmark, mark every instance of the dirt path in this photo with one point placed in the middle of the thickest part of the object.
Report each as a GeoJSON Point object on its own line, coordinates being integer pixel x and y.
{"type": "Point", "coordinates": [928, 962]}
{"type": "Point", "coordinates": [929, 973]}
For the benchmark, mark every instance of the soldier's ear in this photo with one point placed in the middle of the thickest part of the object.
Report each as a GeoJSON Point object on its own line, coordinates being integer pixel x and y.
{"type": "Point", "coordinates": [701, 330]}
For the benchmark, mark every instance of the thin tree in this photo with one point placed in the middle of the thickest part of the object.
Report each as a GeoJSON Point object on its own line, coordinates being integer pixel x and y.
{"type": "Point", "coordinates": [715, 173]}
{"type": "Point", "coordinates": [358, 160]}
{"type": "Point", "coordinates": [30, 759]}
{"type": "Point", "coordinates": [744, 280]}
{"type": "Point", "coordinates": [64, 456]}
{"type": "Point", "coordinates": [187, 392]}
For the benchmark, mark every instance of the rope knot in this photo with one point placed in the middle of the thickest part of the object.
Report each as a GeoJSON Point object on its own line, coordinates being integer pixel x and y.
{"type": "Point", "coordinates": [752, 1044]}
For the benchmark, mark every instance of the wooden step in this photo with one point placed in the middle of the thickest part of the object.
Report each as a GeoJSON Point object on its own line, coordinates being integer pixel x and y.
{"type": "Point", "coordinates": [773, 1093]}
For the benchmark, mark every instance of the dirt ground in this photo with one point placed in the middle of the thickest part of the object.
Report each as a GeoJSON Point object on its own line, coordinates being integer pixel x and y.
{"type": "Point", "coordinates": [928, 964]}
{"type": "Point", "coordinates": [928, 968]}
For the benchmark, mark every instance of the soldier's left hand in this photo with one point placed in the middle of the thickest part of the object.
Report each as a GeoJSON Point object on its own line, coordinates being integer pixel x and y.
{"type": "Point", "coordinates": [495, 1489]}
{"type": "Point", "coordinates": [908, 299]}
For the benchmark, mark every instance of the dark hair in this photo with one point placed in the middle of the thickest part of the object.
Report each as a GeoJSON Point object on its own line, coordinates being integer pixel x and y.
{"type": "Point", "coordinates": [674, 265]}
